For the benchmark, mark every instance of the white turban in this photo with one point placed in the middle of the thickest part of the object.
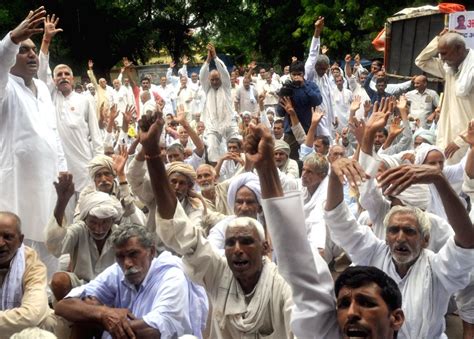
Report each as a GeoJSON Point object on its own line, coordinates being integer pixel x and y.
{"type": "Point", "coordinates": [389, 161]}
{"type": "Point", "coordinates": [417, 195]}
{"type": "Point", "coordinates": [427, 135]}
{"type": "Point", "coordinates": [100, 205]}
{"type": "Point", "coordinates": [249, 180]}
{"type": "Point", "coordinates": [99, 162]}
{"type": "Point", "coordinates": [422, 152]}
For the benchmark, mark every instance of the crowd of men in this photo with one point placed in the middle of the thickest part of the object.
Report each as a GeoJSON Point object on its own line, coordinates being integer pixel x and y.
{"type": "Point", "coordinates": [322, 203]}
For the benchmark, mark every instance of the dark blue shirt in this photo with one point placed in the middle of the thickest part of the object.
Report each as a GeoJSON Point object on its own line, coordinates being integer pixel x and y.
{"type": "Point", "coordinates": [303, 99]}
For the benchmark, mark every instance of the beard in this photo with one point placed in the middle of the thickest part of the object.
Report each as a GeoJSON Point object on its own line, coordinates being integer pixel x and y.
{"type": "Point", "coordinates": [206, 187]}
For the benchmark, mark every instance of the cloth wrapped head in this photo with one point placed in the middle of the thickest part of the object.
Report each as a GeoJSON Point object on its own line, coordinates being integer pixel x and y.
{"type": "Point", "coordinates": [249, 180]}
{"type": "Point", "coordinates": [182, 168]}
{"type": "Point", "coordinates": [422, 152]}
{"type": "Point", "coordinates": [283, 146]}
{"type": "Point", "coordinates": [99, 162]}
{"type": "Point", "coordinates": [100, 205]}
{"type": "Point", "coordinates": [427, 135]}
{"type": "Point", "coordinates": [188, 171]}
{"type": "Point", "coordinates": [389, 161]}
{"type": "Point", "coordinates": [417, 195]}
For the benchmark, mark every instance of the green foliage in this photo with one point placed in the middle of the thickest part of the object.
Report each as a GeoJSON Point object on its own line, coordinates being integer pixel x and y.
{"type": "Point", "coordinates": [269, 31]}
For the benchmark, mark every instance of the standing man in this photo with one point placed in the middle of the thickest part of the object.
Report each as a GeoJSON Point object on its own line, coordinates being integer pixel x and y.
{"type": "Point", "coordinates": [316, 70]}
{"type": "Point", "coordinates": [31, 154]}
{"type": "Point", "coordinates": [75, 115]}
{"type": "Point", "coordinates": [218, 115]}
{"type": "Point", "coordinates": [423, 101]}
{"type": "Point", "coordinates": [455, 64]}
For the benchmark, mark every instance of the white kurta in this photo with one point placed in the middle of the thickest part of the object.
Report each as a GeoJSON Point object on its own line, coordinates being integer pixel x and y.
{"type": "Point", "coordinates": [77, 127]}
{"type": "Point", "coordinates": [314, 313]}
{"type": "Point", "coordinates": [325, 125]}
{"type": "Point", "coordinates": [429, 283]}
{"type": "Point", "coordinates": [457, 110]}
{"type": "Point", "coordinates": [341, 105]}
{"type": "Point", "coordinates": [31, 154]}
{"type": "Point", "coordinates": [266, 315]}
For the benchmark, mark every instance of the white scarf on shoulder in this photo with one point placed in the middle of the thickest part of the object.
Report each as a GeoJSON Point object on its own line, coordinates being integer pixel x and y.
{"type": "Point", "coordinates": [247, 318]}
{"type": "Point", "coordinates": [12, 289]}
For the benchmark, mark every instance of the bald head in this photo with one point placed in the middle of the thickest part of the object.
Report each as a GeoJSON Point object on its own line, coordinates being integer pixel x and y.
{"type": "Point", "coordinates": [420, 83]}
{"type": "Point", "coordinates": [215, 79]}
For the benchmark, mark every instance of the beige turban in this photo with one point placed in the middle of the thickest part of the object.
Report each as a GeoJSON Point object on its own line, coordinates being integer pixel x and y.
{"type": "Point", "coordinates": [187, 170]}
{"type": "Point", "coordinates": [99, 162]}
{"type": "Point", "coordinates": [182, 168]}
{"type": "Point", "coordinates": [100, 205]}
{"type": "Point", "coordinates": [281, 145]}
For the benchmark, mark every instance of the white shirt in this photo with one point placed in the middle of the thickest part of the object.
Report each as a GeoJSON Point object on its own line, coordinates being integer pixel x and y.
{"type": "Point", "coordinates": [168, 95]}
{"type": "Point", "coordinates": [77, 123]}
{"type": "Point", "coordinates": [218, 111]}
{"type": "Point", "coordinates": [166, 300]}
{"type": "Point", "coordinates": [31, 154]}
{"type": "Point", "coordinates": [422, 104]}
{"type": "Point", "coordinates": [325, 125]}
{"type": "Point", "coordinates": [429, 283]}
{"type": "Point", "coordinates": [341, 105]}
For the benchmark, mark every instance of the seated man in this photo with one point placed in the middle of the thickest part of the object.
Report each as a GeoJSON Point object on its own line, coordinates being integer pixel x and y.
{"type": "Point", "coordinates": [140, 296]}
{"type": "Point", "coordinates": [243, 198]}
{"type": "Point", "coordinates": [109, 177]}
{"type": "Point", "coordinates": [215, 194]}
{"type": "Point", "coordinates": [87, 241]}
{"type": "Point", "coordinates": [24, 302]}
{"type": "Point", "coordinates": [314, 314]}
{"type": "Point", "coordinates": [283, 162]}
{"type": "Point", "coordinates": [182, 178]}
{"type": "Point", "coordinates": [426, 279]}
{"type": "Point", "coordinates": [248, 296]}
{"type": "Point", "coordinates": [232, 161]}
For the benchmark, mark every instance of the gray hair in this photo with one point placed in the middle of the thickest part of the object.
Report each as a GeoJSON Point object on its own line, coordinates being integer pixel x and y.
{"type": "Point", "coordinates": [62, 66]}
{"type": "Point", "coordinates": [424, 224]}
{"type": "Point", "coordinates": [33, 332]}
{"type": "Point", "coordinates": [14, 217]}
{"type": "Point", "coordinates": [452, 39]}
{"type": "Point", "coordinates": [322, 59]}
{"type": "Point", "coordinates": [248, 222]}
{"type": "Point", "coordinates": [318, 162]}
{"type": "Point", "coordinates": [121, 235]}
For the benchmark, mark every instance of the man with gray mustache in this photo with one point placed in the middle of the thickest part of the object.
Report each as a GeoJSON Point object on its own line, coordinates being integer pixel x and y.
{"type": "Point", "coordinates": [75, 114]}
{"type": "Point", "coordinates": [145, 297]}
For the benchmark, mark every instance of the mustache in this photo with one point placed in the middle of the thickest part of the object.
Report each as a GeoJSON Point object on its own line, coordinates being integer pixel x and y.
{"type": "Point", "coordinates": [132, 270]}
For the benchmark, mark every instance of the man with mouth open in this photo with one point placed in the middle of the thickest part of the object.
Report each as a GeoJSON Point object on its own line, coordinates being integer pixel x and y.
{"type": "Point", "coordinates": [75, 115]}
{"type": "Point", "coordinates": [249, 298]}
{"type": "Point", "coordinates": [368, 302]}
{"type": "Point", "coordinates": [426, 279]}
{"type": "Point", "coordinates": [31, 154]}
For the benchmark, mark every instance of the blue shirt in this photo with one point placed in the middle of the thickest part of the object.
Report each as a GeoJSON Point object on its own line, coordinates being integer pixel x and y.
{"type": "Point", "coordinates": [303, 99]}
{"type": "Point", "coordinates": [166, 300]}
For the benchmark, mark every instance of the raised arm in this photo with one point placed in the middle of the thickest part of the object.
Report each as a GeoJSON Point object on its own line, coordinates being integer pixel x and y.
{"type": "Point", "coordinates": [429, 61]}
{"type": "Point", "coordinates": [313, 50]}
{"type": "Point", "coordinates": [309, 278]}
{"type": "Point", "coordinates": [50, 30]}
{"type": "Point", "coordinates": [9, 46]}
{"type": "Point", "coordinates": [90, 73]}
{"type": "Point", "coordinates": [181, 119]}
{"type": "Point", "coordinates": [377, 121]}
